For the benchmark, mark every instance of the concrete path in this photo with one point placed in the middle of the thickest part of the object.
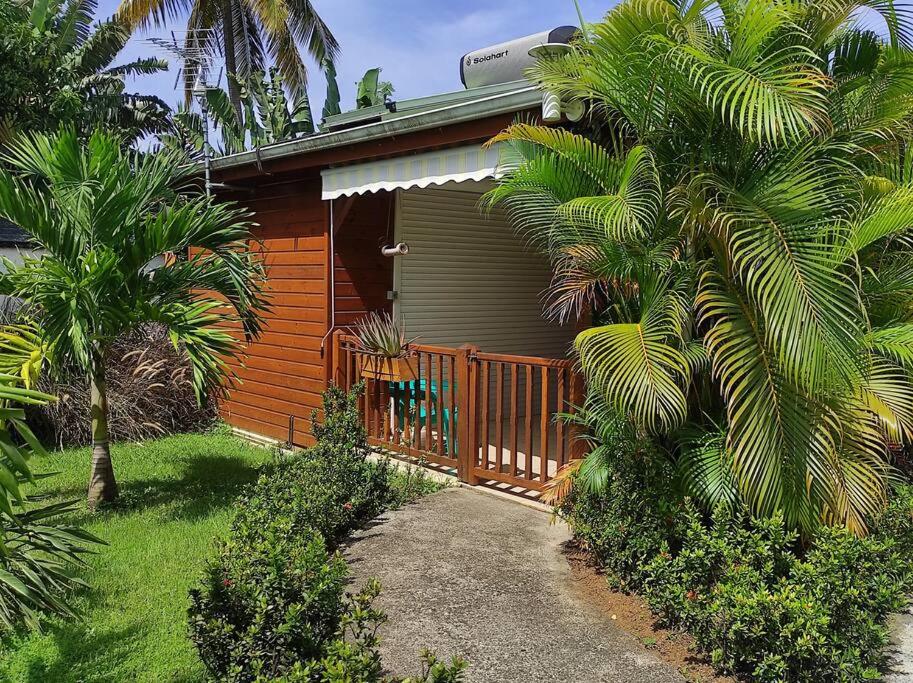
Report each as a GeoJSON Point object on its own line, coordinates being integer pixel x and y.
{"type": "Point", "coordinates": [467, 573]}
{"type": "Point", "coordinates": [901, 648]}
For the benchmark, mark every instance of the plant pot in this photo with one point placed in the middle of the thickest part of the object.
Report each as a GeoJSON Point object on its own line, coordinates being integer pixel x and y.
{"type": "Point", "coordinates": [381, 368]}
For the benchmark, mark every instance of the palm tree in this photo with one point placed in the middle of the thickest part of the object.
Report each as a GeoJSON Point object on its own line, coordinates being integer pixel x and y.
{"type": "Point", "coordinates": [72, 78]}
{"type": "Point", "coordinates": [244, 33]}
{"type": "Point", "coordinates": [104, 218]}
{"type": "Point", "coordinates": [737, 213]}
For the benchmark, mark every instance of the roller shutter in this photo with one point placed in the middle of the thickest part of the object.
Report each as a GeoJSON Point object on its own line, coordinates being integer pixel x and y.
{"type": "Point", "coordinates": [470, 278]}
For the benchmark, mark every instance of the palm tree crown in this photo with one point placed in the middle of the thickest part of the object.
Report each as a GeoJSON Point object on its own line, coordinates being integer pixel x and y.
{"type": "Point", "coordinates": [737, 213]}
{"type": "Point", "coordinates": [245, 33]}
{"type": "Point", "coordinates": [104, 217]}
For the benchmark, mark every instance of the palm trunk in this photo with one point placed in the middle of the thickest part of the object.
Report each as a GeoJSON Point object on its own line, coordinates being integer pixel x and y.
{"type": "Point", "coordinates": [102, 485]}
{"type": "Point", "coordinates": [231, 64]}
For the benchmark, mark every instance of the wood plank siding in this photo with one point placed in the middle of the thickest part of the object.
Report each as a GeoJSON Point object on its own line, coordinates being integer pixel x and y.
{"type": "Point", "coordinates": [363, 276]}
{"type": "Point", "coordinates": [283, 372]}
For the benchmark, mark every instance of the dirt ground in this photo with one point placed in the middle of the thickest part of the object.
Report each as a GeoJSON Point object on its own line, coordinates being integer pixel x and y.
{"type": "Point", "coordinates": [631, 613]}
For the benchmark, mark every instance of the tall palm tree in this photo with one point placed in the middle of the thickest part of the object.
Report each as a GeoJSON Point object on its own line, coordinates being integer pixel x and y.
{"type": "Point", "coordinates": [244, 33]}
{"type": "Point", "coordinates": [73, 77]}
{"type": "Point", "coordinates": [104, 217]}
{"type": "Point", "coordinates": [738, 213]}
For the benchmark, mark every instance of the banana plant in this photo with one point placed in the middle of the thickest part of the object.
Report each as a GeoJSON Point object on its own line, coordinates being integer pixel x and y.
{"type": "Point", "coordinates": [371, 91]}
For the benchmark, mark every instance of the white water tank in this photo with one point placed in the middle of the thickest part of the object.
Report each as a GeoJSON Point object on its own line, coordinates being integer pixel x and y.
{"type": "Point", "coordinates": [507, 61]}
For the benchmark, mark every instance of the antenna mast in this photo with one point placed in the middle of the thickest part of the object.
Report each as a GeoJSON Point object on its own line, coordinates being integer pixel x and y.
{"type": "Point", "coordinates": [196, 66]}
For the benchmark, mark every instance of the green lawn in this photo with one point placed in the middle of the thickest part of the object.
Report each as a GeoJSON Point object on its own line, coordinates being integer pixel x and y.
{"type": "Point", "coordinates": [177, 494]}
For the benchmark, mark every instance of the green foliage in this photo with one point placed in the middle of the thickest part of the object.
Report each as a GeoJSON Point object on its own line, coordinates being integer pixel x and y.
{"type": "Point", "coordinates": [56, 68]}
{"type": "Point", "coordinates": [270, 606]}
{"type": "Point", "coordinates": [266, 115]}
{"type": "Point", "coordinates": [758, 602]}
{"type": "Point", "coordinates": [269, 598]}
{"type": "Point", "coordinates": [249, 36]}
{"type": "Point", "coordinates": [102, 215]}
{"type": "Point", "coordinates": [741, 589]}
{"type": "Point", "coordinates": [39, 552]}
{"type": "Point", "coordinates": [370, 91]}
{"type": "Point", "coordinates": [735, 212]}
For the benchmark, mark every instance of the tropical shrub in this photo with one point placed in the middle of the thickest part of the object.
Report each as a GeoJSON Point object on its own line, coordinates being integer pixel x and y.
{"type": "Point", "coordinates": [762, 611]}
{"type": "Point", "coordinates": [150, 394]}
{"type": "Point", "coordinates": [270, 605]}
{"type": "Point", "coordinates": [330, 488]}
{"type": "Point", "coordinates": [762, 604]}
{"type": "Point", "coordinates": [736, 213]}
{"type": "Point", "coordinates": [127, 238]}
{"type": "Point", "coordinates": [270, 597]}
{"type": "Point", "coordinates": [39, 552]}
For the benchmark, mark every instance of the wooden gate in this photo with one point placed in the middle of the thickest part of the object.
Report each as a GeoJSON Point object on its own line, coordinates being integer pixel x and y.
{"type": "Point", "coordinates": [490, 417]}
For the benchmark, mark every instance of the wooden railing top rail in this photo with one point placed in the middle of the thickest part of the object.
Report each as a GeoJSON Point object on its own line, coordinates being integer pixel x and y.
{"type": "Point", "coordinates": [351, 342]}
{"type": "Point", "coordinates": [525, 360]}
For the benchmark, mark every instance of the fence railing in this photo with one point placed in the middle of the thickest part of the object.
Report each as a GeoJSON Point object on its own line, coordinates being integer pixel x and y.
{"type": "Point", "coordinates": [489, 416]}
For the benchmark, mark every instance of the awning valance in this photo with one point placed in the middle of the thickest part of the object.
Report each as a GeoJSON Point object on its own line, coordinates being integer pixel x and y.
{"type": "Point", "coordinates": [417, 170]}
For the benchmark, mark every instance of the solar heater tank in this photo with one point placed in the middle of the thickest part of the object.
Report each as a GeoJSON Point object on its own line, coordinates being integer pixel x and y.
{"type": "Point", "coordinates": [507, 61]}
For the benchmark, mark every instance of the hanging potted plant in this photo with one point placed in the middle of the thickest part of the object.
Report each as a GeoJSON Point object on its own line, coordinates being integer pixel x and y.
{"type": "Point", "coordinates": [386, 355]}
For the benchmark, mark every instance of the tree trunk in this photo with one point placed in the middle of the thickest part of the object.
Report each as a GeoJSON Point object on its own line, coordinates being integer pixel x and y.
{"type": "Point", "coordinates": [102, 485]}
{"type": "Point", "coordinates": [231, 63]}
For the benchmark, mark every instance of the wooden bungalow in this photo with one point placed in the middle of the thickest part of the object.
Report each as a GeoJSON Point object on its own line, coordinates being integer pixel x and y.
{"type": "Point", "coordinates": [492, 371]}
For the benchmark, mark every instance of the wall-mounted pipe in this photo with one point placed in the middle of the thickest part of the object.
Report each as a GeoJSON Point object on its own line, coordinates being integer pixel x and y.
{"type": "Point", "coordinates": [400, 249]}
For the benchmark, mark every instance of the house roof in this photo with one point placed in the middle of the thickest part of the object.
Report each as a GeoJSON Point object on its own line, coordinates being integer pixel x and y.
{"type": "Point", "coordinates": [11, 235]}
{"type": "Point", "coordinates": [379, 122]}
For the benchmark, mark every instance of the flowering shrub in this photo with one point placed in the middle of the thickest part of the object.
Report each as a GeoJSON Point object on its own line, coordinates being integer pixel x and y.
{"type": "Point", "coordinates": [760, 603]}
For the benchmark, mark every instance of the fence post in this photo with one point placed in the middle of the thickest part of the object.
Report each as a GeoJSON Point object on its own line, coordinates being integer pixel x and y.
{"type": "Point", "coordinates": [466, 413]}
{"type": "Point", "coordinates": [578, 445]}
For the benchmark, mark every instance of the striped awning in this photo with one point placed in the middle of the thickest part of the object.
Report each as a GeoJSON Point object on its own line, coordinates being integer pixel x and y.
{"type": "Point", "coordinates": [417, 170]}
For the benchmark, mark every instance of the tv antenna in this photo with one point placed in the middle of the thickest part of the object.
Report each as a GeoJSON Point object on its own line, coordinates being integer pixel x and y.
{"type": "Point", "coordinates": [193, 48]}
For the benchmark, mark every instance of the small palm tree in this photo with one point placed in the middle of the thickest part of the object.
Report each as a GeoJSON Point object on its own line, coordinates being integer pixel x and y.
{"type": "Point", "coordinates": [738, 213]}
{"type": "Point", "coordinates": [245, 33]}
{"type": "Point", "coordinates": [104, 218]}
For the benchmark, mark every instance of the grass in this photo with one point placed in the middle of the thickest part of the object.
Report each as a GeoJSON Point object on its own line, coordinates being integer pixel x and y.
{"type": "Point", "coordinates": [176, 495]}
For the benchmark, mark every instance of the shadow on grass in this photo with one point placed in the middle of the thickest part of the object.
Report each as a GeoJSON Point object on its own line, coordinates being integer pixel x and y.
{"type": "Point", "coordinates": [203, 484]}
{"type": "Point", "coordinates": [84, 653]}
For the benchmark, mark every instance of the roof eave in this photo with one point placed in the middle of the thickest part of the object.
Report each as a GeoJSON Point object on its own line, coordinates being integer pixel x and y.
{"type": "Point", "coordinates": [516, 100]}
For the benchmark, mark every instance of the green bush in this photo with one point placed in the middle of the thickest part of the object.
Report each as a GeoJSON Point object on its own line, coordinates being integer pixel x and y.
{"type": "Point", "coordinates": [763, 605]}
{"type": "Point", "coordinates": [266, 602]}
{"type": "Point", "coordinates": [271, 606]}
{"type": "Point", "coordinates": [630, 522]}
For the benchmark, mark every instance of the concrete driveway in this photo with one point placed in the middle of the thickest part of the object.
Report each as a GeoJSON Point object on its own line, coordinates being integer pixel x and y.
{"type": "Point", "coordinates": [467, 573]}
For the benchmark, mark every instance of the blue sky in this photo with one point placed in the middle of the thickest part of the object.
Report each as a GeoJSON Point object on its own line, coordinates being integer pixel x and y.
{"type": "Point", "coordinates": [418, 43]}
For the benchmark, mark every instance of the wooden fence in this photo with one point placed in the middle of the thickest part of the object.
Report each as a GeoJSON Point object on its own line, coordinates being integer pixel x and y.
{"type": "Point", "coordinates": [491, 417]}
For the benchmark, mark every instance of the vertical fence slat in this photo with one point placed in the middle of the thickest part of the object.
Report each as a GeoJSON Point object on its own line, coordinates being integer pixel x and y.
{"type": "Point", "coordinates": [528, 435]}
{"type": "Point", "coordinates": [439, 407]}
{"type": "Point", "coordinates": [452, 413]}
{"type": "Point", "coordinates": [543, 427]}
{"type": "Point", "coordinates": [407, 413]}
{"type": "Point", "coordinates": [514, 409]}
{"type": "Point", "coordinates": [499, 417]}
{"type": "Point", "coordinates": [485, 411]}
{"type": "Point", "coordinates": [429, 442]}
{"type": "Point", "coordinates": [559, 426]}
{"type": "Point", "coordinates": [385, 412]}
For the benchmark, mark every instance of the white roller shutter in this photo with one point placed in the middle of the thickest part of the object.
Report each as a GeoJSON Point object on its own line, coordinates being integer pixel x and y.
{"type": "Point", "coordinates": [469, 278]}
